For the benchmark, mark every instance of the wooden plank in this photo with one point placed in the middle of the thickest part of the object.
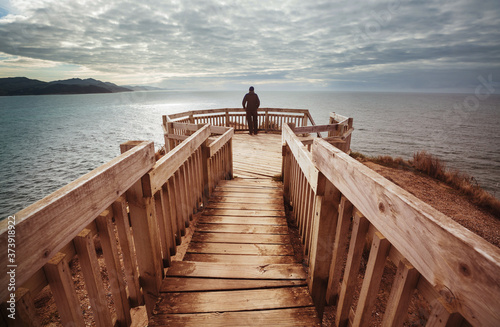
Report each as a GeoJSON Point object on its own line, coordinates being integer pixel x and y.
{"type": "Point", "coordinates": [452, 259]}
{"type": "Point", "coordinates": [226, 301]}
{"type": "Point", "coordinates": [405, 282]}
{"type": "Point", "coordinates": [325, 217]}
{"type": "Point", "coordinates": [113, 267]}
{"type": "Point", "coordinates": [82, 200]}
{"type": "Point", "coordinates": [25, 310]}
{"type": "Point", "coordinates": [339, 249]}
{"type": "Point", "coordinates": [179, 284]}
{"type": "Point", "coordinates": [219, 270]}
{"type": "Point", "coordinates": [243, 213]}
{"type": "Point", "coordinates": [441, 316]}
{"type": "Point", "coordinates": [84, 244]}
{"type": "Point", "coordinates": [128, 251]}
{"type": "Point", "coordinates": [302, 156]}
{"type": "Point", "coordinates": [250, 249]}
{"type": "Point", "coordinates": [358, 239]}
{"type": "Point", "coordinates": [248, 195]}
{"type": "Point", "coordinates": [243, 229]}
{"type": "Point", "coordinates": [371, 282]}
{"type": "Point", "coordinates": [243, 220]}
{"type": "Point", "coordinates": [315, 129]}
{"type": "Point", "coordinates": [218, 143]}
{"type": "Point", "coordinates": [61, 284]}
{"type": "Point", "coordinates": [173, 160]}
{"type": "Point", "coordinates": [273, 192]}
{"type": "Point", "coordinates": [240, 259]}
{"type": "Point", "coordinates": [240, 238]}
{"type": "Point", "coordinates": [278, 206]}
{"type": "Point", "coordinates": [305, 316]}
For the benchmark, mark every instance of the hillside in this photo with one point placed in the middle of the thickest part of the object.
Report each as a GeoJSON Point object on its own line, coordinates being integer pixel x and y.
{"type": "Point", "coordinates": [26, 86]}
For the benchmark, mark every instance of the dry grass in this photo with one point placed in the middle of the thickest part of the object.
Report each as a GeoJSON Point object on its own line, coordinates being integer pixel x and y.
{"type": "Point", "coordinates": [432, 166]}
{"type": "Point", "coordinates": [465, 184]}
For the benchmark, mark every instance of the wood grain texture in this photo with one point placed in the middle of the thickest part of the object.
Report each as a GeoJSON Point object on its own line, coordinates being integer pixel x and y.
{"type": "Point", "coordinates": [454, 260]}
{"type": "Point", "coordinates": [226, 301]}
{"type": "Point", "coordinates": [217, 270]}
{"type": "Point", "coordinates": [46, 226]}
{"type": "Point", "coordinates": [179, 284]}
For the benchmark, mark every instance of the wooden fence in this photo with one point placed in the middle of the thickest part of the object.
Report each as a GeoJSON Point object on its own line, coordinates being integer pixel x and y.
{"type": "Point", "coordinates": [269, 119]}
{"type": "Point", "coordinates": [149, 202]}
{"type": "Point", "coordinates": [456, 271]}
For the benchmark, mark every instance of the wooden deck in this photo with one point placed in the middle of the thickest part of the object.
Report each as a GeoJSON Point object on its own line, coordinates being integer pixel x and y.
{"type": "Point", "coordinates": [239, 268]}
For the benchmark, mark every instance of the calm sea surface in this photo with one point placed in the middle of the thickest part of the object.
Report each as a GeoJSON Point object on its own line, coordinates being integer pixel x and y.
{"type": "Point", "coordinates": [48, 141]}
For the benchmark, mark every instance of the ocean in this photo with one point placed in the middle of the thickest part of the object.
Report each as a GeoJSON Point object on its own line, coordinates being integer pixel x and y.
{"type": "Point", "coordinates": [48, 141]}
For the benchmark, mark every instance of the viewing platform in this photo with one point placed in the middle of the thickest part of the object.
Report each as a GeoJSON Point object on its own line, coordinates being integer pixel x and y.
{"type": "Point", "coordinates": [219, 195]}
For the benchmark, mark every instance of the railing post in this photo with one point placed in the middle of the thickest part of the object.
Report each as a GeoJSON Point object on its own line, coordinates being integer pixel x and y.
{"type": "Point", "coordinates": [285, 173]}
{"type": "Point", "coordinates": [143, 218]}
{"type": "Point", "coordinates": [227, 118]}
{"type": "Point", "coordinates": [327, 201]}
{"type": "Point", "coordinates": [266, 121]}
{"type": "Point", "coordinates": [205, 162]}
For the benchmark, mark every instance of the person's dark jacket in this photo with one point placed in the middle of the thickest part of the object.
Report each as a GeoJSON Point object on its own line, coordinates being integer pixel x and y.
{"type": "Point", "coordinates": [251, 101]}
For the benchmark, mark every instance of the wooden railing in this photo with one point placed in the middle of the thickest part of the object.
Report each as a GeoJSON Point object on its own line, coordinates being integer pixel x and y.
{"type": "Point", "coordinates": [149, 202]}
{"type": "Point", "coordinates": [269, 119]}
{"type": "Point", "coordinates": [456, 271]}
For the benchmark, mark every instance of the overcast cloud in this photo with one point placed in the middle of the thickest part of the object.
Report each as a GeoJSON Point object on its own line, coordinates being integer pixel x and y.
{"type": "Point", "coordinates": [435, 45]}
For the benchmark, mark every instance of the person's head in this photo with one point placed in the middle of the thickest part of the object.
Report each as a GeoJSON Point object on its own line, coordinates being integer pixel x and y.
{"type": "Point", "coordinates": [251, 89]}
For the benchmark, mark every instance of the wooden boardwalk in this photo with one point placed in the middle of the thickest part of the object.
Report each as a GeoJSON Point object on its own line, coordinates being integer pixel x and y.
{"type": "Point", "coordinates": [239, 269]}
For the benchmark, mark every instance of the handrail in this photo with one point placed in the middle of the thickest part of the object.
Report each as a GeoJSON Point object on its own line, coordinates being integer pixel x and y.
{"type": "Point", "coordinates": [454, 269]}
{"type": "Point", "coordinates": [134, 192]}
{"type": "Point", "coordinates": [269, 119]}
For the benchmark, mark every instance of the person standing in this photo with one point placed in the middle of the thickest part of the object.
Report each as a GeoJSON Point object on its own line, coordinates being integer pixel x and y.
{"type": "Point", "coordinates": [251, 103]}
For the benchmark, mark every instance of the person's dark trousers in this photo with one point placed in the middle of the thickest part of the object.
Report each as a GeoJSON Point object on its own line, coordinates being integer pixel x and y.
{"type": "Point", "coordinates": [252, 121]}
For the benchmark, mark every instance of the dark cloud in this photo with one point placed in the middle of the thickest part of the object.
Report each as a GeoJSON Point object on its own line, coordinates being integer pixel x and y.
{"type": "Point", "coordinates": [318, 43]}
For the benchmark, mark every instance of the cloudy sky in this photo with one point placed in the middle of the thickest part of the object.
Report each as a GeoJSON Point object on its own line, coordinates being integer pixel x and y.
{"type": "Point", "coordinates": [392, 45]}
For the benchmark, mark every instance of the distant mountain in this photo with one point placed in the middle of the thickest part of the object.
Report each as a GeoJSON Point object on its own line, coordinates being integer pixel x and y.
{"type": "Point", "coordinates": [142, 88]}
{"type": "Point", "coordinates": [26, 86]}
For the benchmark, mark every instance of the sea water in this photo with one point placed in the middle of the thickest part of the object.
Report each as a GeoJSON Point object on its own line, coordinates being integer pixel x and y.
{"type": "Point", "coordinates": [48, 141]}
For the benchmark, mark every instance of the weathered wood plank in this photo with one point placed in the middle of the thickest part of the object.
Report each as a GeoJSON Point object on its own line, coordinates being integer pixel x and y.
{"type": "Point", "coordinates": [61, 284]}
{"type": "Point", "coordinates": [93, 281]}
{"type": "Point", "coordinates": [402, 288]}
{"type": "Point", "coordinates": [81, 200]}
{"type": "Point", "coordinates": [113, 266]}
{"type": "Point", "coordinates": [218, 270]}
{"type": "Point", "coordinates": [243, 220]}
{"type": "Point", "coordinates": [170, 162]}
{"type": "Point", "coordinates": [240, 238]}
{"type": "Point", "coordinates": [454, 260]}
{"type": "Point", "coordinates": [339, 250]}
{"type": "Point", "coordinates": [225, 301]}
{"type": "Point", "coordinates": [305, 316]}
{"type": "Point", "coordinates": [231, 248]}
{"type": "Point", "coordinates": [245, 206]}
{"type": "Point", "coordinates": [243, 229]}
{"type": "Point", "coordinates": [371, 282]}
{"type": "Point", "coordinates": [358, 240]}
{"type": "Point", "coordinates": [128, 251]}
{"type": "Point", "coordinates": [247, 200]}
{"type": "Point", "coordinates": [302, 156]}
{"type": "Point", "coordinates": [244, 212]}
{"type": "Point", "coordinates": [257, 260]}
{"type": "Point", "coordinates": [180, 284]}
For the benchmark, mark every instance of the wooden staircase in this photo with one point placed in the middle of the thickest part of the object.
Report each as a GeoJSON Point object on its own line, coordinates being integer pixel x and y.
{"type": "Point", "coordinates": [239, 269]}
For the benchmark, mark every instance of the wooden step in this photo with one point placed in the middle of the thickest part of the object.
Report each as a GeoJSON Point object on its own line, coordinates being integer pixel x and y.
{"type": "Point", "coordinates": [243, 229]}
{"type": "Point", "coordinates": [240, 238]}
{"type": "Point", "coordinates": [242, 220]}
{"type": "Point", "coordinates": [305, 316]}
{"type": "Point", "coordinates": [181, 284]}
{"type": "Point", "coordinates": [231, 248]}
{"type": "Point", "coordinates": [234, 259]}
{"type": "Point", "coordinates": [225, 301]}
{"type": "Point", "coordinates": [242, 271]}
